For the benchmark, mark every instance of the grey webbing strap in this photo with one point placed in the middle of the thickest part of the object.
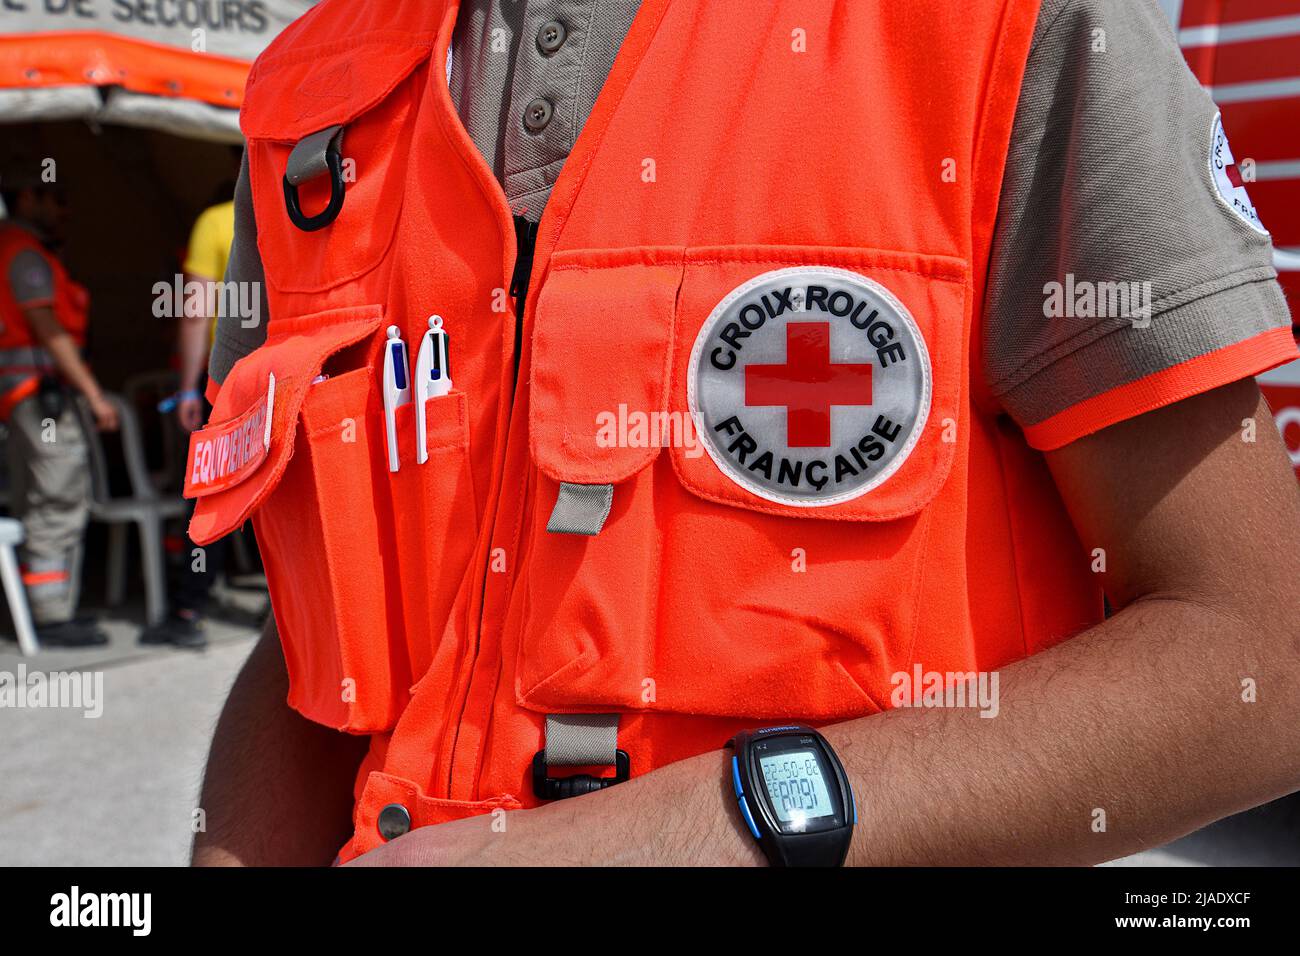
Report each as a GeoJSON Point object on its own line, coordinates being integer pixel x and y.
{"type": "Point", "coordinates": [26, 357]}
{"type": "Point", "coordinates": [574, 740]}
{"type": "Point", "coordinates": [307, 160]}
{"type": "Point", "coordinates": [581, 509]}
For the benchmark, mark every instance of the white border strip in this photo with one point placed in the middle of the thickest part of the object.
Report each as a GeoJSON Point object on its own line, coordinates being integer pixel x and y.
{"type": "Point", "coordinates": [1262, 90]}
{"type": "Point", "coordinates": [1278, 169]}
{"type": "Point", "coordinates": [1215, 34]}
{"type": "Point", "coordinates": [1288, 374]}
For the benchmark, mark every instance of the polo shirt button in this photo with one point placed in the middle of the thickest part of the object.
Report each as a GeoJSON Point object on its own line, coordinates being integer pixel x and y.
{"type": "Point", "coordinates": [537, 114]}
{"type": "Point", "coordinates": [394, 820]}
{"type": "Point", "coordinates": [551, 36]}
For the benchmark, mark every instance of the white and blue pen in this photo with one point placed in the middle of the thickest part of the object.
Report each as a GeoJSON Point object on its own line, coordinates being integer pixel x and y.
{"type": "Point", "coordinates": [432, 379]}
{"type": "Point", "coordinates": [397, 390]}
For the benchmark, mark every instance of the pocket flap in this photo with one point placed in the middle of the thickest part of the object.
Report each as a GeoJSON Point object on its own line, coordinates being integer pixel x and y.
{"type": "Point", "coordinates": [369, 115]}
{"type": "Point", "coordinates": [601, 358]}
{"type": "Point", "coordinates": [294, 353]}
{"type": "Point", "coordinates": [306, 88]}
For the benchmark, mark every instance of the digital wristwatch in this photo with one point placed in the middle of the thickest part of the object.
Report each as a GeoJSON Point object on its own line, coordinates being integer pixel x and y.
{"type": "Point", "coordinates": [794, 795]}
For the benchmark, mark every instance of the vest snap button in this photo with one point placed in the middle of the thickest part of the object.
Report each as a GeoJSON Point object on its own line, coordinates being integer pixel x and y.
{"type": "Point", "coordinates": [551, 36]}
{"type": "Point", "coordinates": [394, 820]}
{"type": "Point", "coordinates": [537, 114]}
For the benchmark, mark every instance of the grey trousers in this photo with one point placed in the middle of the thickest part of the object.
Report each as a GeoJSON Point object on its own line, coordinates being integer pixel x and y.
{"type": "Point", "coordinates": [50, 479]}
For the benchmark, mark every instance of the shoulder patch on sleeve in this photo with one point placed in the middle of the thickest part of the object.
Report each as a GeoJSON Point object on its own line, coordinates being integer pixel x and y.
{"type": "Point", "coordinates": [31, 280]}
{"type": "Point", "coordinates": [1228, 180]}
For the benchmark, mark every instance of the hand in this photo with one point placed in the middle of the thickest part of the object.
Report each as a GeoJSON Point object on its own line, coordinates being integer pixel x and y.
{"type": "Point", "coordinates": [474, 841]}
{"type": "Point", "coordinates": [679, 815]}
{"type": "Point", "coordinates": [105, 414]}
{"type": "Point", "coordinates": [189, 412]}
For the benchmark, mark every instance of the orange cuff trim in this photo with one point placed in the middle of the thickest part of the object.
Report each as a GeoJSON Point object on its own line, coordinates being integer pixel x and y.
{"type": "Point", "coordinates": [33, 578]}
{"type": "Point", "coordinates": [1229, 364]}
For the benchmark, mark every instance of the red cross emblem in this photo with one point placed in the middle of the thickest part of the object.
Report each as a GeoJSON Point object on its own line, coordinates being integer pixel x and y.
{"type": "Point", "coordinates": [808, 384]}
{"type": "Point", "coordinates": [1234, 175]}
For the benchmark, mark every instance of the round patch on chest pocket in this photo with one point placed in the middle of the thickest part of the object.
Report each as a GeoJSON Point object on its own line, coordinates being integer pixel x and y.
{"type": "Point", "coordinates": [809, 386]}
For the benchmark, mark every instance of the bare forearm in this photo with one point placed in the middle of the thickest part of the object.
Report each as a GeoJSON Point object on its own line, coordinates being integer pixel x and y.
{"type": "Point", "coordinates": [278, 788]}
{"type": "Point", "coordinates": [1132, 734]}
{"type": "Point", "coordinates": [193, 342]}
{"type": "Point", "coordinates": [63, 350]}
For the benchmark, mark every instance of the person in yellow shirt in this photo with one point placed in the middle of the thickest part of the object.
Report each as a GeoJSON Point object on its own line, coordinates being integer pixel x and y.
{"type": "Point", "coordinates": [205, 263]}
{"type": "Point", "coordinates": [204, 266]}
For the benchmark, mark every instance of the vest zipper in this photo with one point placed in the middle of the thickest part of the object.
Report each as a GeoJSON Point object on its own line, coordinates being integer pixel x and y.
{"type": "Point", "coordinates": [520, 278]}
{"type": "Point", "coordinates": [525, 245]}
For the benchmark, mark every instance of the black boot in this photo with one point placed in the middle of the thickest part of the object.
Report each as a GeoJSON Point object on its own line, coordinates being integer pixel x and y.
{"type": "Point", "coordinates": [82, 632]}
{"type": "Point", "coordinates": [180, 629]}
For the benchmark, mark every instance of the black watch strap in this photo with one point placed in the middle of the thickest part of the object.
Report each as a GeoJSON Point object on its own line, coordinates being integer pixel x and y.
{"type": "Point", "coordinates": [815, 849]}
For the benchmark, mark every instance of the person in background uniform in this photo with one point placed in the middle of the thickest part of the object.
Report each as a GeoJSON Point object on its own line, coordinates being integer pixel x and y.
{"type": "Point", "coordinates": [205, 264]}
{"type": "Point", "coordinates": [42, 330]}
{"type": "Point", "coordinates": [1136, 426]}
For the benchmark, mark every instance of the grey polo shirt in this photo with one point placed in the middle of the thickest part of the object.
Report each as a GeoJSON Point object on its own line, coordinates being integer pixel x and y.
{"type": "Point", "coordinates": [30, 278]}
{"type": "Point", "coordinates": [1109, 188]}
{"type": "Point", "coordinates": [525, 76]}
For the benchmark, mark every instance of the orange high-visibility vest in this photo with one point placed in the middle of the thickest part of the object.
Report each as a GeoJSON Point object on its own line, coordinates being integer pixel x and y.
{"type": "Point", "coordinates": [22, 361]}
{"type": "Point", "coordinates": [813, 181]}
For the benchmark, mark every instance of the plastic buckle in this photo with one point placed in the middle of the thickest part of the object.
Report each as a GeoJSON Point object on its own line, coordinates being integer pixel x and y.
{"type": "Point", "coordinates": [546, 787]}
{"type": "Point", "coordinates": [334, 166]}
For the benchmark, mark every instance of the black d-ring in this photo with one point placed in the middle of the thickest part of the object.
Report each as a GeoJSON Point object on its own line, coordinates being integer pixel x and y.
{"type": "Point", "coordinates": [334, 163]}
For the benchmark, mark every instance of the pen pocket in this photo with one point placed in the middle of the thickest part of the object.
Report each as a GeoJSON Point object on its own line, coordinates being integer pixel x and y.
{"type": "Point", "coordinates": [434, 521]}
{"type": "Point", "coordinates": [364, 598]}
{"type": "Point", "coordinates": [334, 587]}
{"type": "Point", "coordinates": [362, 564]}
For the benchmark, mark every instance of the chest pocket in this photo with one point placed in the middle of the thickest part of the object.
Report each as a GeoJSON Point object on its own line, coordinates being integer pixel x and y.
{"type": "Point", "coordinates": [350, 106]}
{"type": "Point", "coordinates": [777, 424]}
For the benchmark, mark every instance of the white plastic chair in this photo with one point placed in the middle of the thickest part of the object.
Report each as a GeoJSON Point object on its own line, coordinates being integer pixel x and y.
{"type": "Point", "coordinates": [144, 391]}
{"type": "Point", "coordinates": [143, 507]}
{"type": "Point", "coordinates": [11, 535]}
{"type": "Point", "coordinates": [5, 491]}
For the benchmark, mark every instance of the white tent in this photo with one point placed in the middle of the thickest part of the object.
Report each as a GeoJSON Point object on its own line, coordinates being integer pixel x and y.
{"type": "Point", "coordinates": [173, 65]}
{"type": "Point", "coordinates": [135, 104]}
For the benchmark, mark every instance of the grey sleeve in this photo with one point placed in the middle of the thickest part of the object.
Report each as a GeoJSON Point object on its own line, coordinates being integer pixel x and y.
{"type": "Point", "coordinates": [31, 280]}
{"type": "Point", "coordinates": [1118, 253]}
{"type": "Point", "coordinates": [237, 335]}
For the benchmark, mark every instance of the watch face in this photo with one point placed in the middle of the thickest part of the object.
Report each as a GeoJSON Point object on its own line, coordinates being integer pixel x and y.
{"type": "Point", "coordinates": [801, 789]}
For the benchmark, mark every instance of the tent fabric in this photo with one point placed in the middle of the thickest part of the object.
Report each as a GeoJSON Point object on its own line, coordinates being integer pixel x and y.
{"type": "Point", "coordinates": [176, 65]}
{"type": "Point", "coordinates": [38, 60]}
{"type": "Point", "coordinates": [49, 103]}
{"type": "Point", "coordinates": [189, 118]}
{"type": "Point", "coordinates": [182, 117]}
{"type": "Point", "coordinates": [233, 29]}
